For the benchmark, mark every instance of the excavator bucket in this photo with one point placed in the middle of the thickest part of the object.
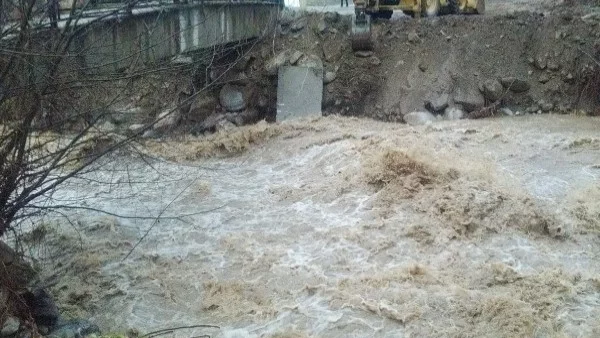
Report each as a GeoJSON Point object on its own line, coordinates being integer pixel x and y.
{"type": "Point", "coordinates": [471, 6]}
{"type": "Point", "coordinates": [361, 32]}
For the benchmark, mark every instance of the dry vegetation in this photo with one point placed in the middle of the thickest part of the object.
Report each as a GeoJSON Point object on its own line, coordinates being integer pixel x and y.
{"type": "Point", "coordinates": [230, 142]}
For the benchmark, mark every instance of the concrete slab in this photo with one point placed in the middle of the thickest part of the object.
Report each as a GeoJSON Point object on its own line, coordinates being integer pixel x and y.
{"type": "Point", "coordinates": [299, 92]}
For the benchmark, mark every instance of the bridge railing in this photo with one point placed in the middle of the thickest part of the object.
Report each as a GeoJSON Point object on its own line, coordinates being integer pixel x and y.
{"type": "Point", "coordinates": [67, 4]}
{"type": "Point", "coordinates": [10, 10]}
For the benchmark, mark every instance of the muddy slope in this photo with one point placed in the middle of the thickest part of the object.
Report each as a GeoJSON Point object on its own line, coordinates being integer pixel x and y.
{"type": "Point", "coordinates": [551, 54]}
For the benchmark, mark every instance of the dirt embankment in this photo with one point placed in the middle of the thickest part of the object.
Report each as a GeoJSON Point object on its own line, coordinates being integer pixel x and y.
{"type": "Point", "coordinates": [529, 62]}
{"type": "Point", "coordinates": [510, 62]}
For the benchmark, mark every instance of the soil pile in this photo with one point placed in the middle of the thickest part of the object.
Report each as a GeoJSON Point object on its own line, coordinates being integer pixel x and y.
{"type": "Point", "coordinates": [526, 61]}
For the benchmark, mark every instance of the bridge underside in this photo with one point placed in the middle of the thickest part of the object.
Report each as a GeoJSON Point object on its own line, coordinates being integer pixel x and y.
{"type": "Point", "coordinates": [151, 36]}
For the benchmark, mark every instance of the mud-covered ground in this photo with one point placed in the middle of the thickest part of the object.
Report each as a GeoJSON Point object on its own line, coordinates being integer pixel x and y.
{"type": "Point", "coordinates": [548, 46]}
{"type": "Point", "coordinates": [342, 227]}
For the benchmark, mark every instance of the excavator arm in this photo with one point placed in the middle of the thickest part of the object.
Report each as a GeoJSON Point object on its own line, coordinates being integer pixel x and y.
{"type": "Point", "coordinates": [366, 10]}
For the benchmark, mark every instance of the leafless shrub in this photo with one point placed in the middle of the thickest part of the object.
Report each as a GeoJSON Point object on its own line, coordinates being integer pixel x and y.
{"type": "Point", "coordinates": [51, 108]}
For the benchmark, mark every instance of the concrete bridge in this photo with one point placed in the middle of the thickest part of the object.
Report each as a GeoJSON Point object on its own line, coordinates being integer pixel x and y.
{"type": "Point", "coordinates": [154, 31]}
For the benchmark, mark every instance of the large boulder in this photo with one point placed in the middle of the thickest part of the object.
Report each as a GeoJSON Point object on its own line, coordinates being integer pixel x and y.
{"type": "Point", "coordinates": [454, 113]}
{"type": "Point", "coordinates": [332, 51]}
{"type": "Point", "coordinates": [298, 25]}
{"type": "Point", "coordinates": [295, 57]}
{"type": "Point", "coordinates": [202, 106]}
{"type": "Point", "coordinates": [272, 66]}
{"type": "Point", "coordinates": [232, 98]}
{"type": "Point", "coordinates": [134, 129]}
{"type": "Point", "coordinates": [363, 53]}
{"type": "Point", "coordinates": [322, 27]}
{"type": "Point", "coordinates": [331, 17]}
{"type": "Point", "coordinates": [42, 307]}
{"type": "Point", "coordinates": [124, 115]}
{"type": "Point", "coordinates": [492, 90]}
{"type": "Point", "coordinates": [167, 120]}
{"type": "Point", "coordinates": [211, 122]}
{"type": "Point", "coordinates": [246, 117]}
{"type": "Point", "coordinates": [413, 37]}
{"type": "Point", "coordinates": [329, 77]}
{"type": "Point", "coordinates": [469, 97]}
{"type": "Point", "coordinates": [287, 17]}
{"type": "Point", "coordinates": [224, 125]}
{"type": "Point", "coordinates": [311, 61]}
{"type": "Point", "coordinates": [438, 103]}
{"type": "Point", "coordinates": [514, 84]}
{"type": "Point", "coordinates": [419, 118]}
{"type": "Point", "coordinates": [229, 76]}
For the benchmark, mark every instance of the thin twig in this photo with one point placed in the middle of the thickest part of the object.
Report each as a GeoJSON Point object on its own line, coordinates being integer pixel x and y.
{"type": "Point", "coordinates": [169, 330]}
{"type": "Point", "coordinates": [157, 219]}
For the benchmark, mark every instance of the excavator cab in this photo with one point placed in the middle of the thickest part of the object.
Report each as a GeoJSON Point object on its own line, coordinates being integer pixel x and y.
{"type": "Point", "coordinates": [367, 10]}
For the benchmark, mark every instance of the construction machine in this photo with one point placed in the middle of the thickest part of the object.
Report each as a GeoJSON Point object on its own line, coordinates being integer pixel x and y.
{"type": "Point", "coordinates": [367, 10]}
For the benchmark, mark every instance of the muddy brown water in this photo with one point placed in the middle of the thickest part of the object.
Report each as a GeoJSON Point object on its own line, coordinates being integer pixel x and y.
{"type": "Point", "coordinates": [288, 239]}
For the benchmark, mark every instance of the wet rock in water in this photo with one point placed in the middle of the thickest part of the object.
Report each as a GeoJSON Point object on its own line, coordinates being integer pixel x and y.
{"type": "Point", "coordinates": [167, 120]}
{"type": "Point", "coordinates": [74, 329]}
{"type": "Point", "coordinates": [298, 25]}
{"type": "Point", "coordinates": [295, 57]}
{"type": "Point", "coordinates": [514, 84]}
{"type": "Point", "coordinates": [210, 124]}
{"type": "Point", "coordinates": [492, 90]}
{"type": "Point", "coordinates": [232, 98]}
{"type": "Point", "coordinates": [246, 117]}
{"type": "Point", "coordinates": [363, 53]}
{"type": "Point", "coordinates": [532, 109]}
{"type": "Point", "coordinates": [329, 77]}
{"type": "Point", "coordinates": [42, 307]}
{"type": "Point", "coordinates": [438, 104]}
{"type": "Point", "coordinates": [564, 108]}
{"type": "Point", "coordinates": [419, 118]}
{"type": "Point", "coordinates": [272, 66]}
{"type": "Point", "coordinates": [469, 97]}
{"type": "Point", "coordinates": [506, 111]}
{"type": "Point", "coordinates": [224, 125]}
{"type": "Point", "coordinates": [10, 327]}
{"type": "Point", "coordinates": [453, 113]}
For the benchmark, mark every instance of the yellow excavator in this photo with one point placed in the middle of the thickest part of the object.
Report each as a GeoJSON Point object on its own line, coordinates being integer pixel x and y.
{"type": "Point", "coordinates": [367, 10]}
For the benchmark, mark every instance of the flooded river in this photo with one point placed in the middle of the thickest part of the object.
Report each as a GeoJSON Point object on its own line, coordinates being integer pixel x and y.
{"type": "Point", "coordinates": [343, 228]}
